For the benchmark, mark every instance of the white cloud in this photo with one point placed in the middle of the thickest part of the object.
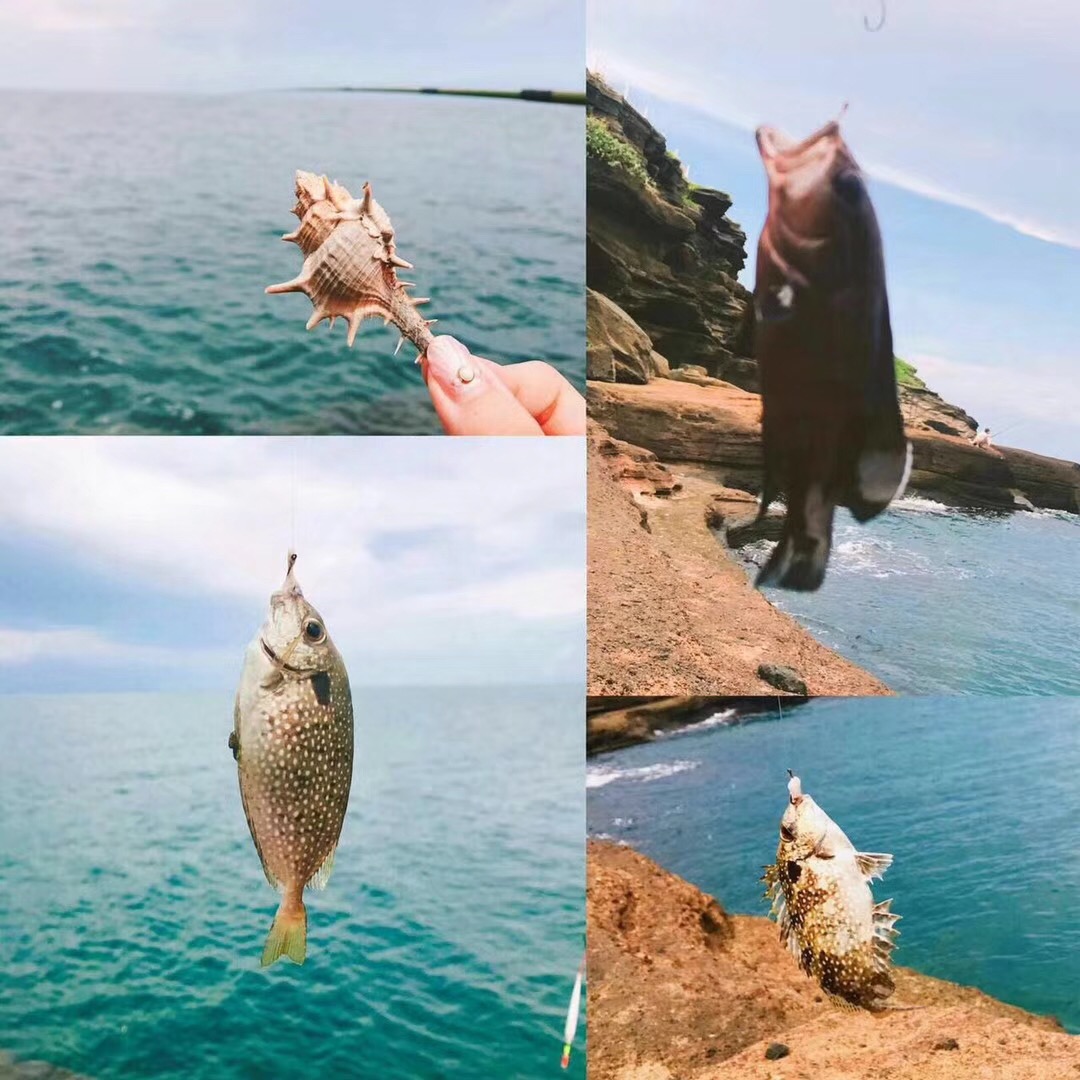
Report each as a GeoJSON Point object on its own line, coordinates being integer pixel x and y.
{"type": "Point", "coordinates": [213, 518]}
{"type": "Point", "coordinates": [969, 103]}
{"type": "Point", "coordinates": [534, 594]}
{"type": "Point", "coordinates": [19, 646]}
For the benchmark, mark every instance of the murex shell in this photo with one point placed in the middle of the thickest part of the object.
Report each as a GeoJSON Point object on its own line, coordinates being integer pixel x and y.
{"type": "Point", "coordinates": [350, 265]}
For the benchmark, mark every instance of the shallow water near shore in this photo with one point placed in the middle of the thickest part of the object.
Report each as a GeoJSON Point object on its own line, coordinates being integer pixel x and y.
{"type": "Point", "coordinates": [975, 797]}
{"type": "Point", "coordinates": [134, 909]}
{"type": "Point", "coordinates": [935, 600]}
{"type": "Point", "coordinates": [148, 226]}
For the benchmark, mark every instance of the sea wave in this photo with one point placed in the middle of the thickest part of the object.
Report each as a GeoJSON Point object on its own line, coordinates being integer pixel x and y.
{"type": "Point", "coordinates": [915, 504]}
{"type": "Point", "coordinates": [723, 718]}
{"type": "Point", "coordinates": [602, 775]}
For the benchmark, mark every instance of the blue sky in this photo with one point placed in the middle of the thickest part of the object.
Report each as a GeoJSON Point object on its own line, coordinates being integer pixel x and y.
{"type": "Point", "coordinates": [215, 45]}
{"type": "Point", "coordinates": [964, 116]}
{"type": "Point", "coordinates": [147, 563]}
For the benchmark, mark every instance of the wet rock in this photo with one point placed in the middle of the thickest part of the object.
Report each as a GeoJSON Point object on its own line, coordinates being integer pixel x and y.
{"type": "Point", "coordinates": [775, 1051]}
{"type": "Point", "coordinates": [783, 678]}
{"type": "Point", "coordinates": [768, 527]}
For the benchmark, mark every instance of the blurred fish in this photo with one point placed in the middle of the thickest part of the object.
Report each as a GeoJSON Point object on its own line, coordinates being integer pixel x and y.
{"type": "Point", "coordinates": [821, 898]}
{"type": "Point", "coordinates": [831, 424]}
{"type": "Point", "coordinates": [293, 744]}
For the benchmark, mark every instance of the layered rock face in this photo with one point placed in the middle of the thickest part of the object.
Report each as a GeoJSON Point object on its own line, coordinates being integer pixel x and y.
{"type": "Point", "coordinates": [665, 251]}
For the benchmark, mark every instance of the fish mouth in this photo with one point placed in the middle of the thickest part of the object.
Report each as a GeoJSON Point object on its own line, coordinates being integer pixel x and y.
{"type": "Point", "coordinates": [276, 660]}
{"type": "Point", "coordinates": [772, 142]}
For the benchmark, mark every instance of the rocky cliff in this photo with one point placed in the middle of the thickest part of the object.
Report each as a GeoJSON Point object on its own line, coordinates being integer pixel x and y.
{"type": "Point", "coordinates": [680, 988]}
{"type": "Point", "coordinates": [669, 321]}
{"type": "Point", "coordinates": [660, 248]}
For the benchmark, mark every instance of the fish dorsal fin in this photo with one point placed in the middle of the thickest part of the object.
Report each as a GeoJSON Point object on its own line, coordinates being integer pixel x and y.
{"type": "Point", "coordinates": [872, 865]}
{"type": "Point", "coordinates": [322, 875]}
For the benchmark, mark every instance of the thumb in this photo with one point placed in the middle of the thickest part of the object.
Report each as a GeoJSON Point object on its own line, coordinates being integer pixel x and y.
{"type": "Point", "coordinates": [469, 396]}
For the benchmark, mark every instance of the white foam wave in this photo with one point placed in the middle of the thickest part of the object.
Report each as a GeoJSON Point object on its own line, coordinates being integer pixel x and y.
{"type": "Point", "coordinates": [720, 719]}
{"type": "Point", "coordinates": [601, 775]}
{"type": "Point", "coordinates": [914, 504]}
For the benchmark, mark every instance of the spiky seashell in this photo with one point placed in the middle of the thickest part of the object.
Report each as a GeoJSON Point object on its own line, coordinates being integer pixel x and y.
{"type": "Point", "coordinates": [350, 261]}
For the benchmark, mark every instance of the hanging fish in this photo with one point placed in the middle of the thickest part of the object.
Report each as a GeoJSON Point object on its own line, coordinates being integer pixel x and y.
{"type": "Point", "coordinates": [572, 1014]}
{"type": "Point", "coordinates": [351, 261]}
{"type": "Point", "coordinates": [832, 429]}
{"type": "Point", "coordinates": [821, 898]}
{"type": "Point", "coordinates": [293, 745]}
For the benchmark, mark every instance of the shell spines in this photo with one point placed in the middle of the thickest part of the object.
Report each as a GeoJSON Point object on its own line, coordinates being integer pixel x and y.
{"type": "Point", "coordinates": [350, 261]}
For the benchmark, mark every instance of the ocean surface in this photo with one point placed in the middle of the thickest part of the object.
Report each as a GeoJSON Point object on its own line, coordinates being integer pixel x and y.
{"type": "Point", "coordinates": [976, 798]}
{"type": "Point", "coordinates": [140, 231]}
{"type": "Point", "coordinates": [937, 600]}
{"type": "Point", "coordinates": [133, 909]}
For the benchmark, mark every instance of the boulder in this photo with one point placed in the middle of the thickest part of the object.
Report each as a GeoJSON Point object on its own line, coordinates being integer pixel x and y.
{"type": "Point", "coordinates": [618, 349]}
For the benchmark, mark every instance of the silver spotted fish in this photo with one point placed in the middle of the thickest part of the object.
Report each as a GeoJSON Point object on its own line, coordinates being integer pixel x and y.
{"type": "Point", "coordinates": [293, 744]}
{"type": "Point", "coordinates": [821, 898]}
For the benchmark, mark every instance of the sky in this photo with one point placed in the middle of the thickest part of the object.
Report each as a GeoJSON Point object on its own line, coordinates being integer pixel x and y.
{"type": "Point", "coordinates": [964, 117]}
{"type": "Point", "coordinates": [217, 45]}
{"type": "Point", "coordinates": [147, 563]}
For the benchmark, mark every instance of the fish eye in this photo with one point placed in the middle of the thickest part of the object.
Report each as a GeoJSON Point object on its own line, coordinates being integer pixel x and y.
{"type": "Point", "coordinates": [313, 632]}
{"type": "Point", "coordinates": [848, 187]}
{"type": "Point", "coordinates": [786, 833]}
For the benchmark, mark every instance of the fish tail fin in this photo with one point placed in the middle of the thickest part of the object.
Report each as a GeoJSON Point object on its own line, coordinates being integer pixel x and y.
{"type": "Point", "coordinates": [881, 475]}
{"type": "Point", "coordinates": [288, 935]}
{"type": "Point", "coordinates": [800, 558]}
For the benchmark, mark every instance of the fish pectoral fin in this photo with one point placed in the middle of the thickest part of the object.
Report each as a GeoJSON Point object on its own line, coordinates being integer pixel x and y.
{"type": "Point", "coordinates": [883, 943]}
{"type": "Point", "coordinates": [320, 683]}
{"type": "Point", "coordinates": [872, 864]}
{"type": "Point", "coordinates": [234, 745]}
{"type": "Point", "coordinates": [881, 476]}
{"type": "Point", "coordinates": [322, 875]}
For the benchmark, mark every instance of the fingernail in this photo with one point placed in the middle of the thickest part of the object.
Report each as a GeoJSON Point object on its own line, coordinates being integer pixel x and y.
{"type": "Point", "coordinates": [452, 366]}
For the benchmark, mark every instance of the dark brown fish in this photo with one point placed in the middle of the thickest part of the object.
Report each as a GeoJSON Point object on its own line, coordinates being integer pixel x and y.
{"type": "Point", "coordinates": [293, 744]}
{"type": "Point", "coordinates": [832, 429]}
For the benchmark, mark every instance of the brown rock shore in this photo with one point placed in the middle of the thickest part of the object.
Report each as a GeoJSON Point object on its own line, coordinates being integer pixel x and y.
{"type": "Point", "coordinates": [719, 426]}
{"type": "Point", "coordinates": [670, 613]}
{"type": "Point", "coordinates": [679, 989]}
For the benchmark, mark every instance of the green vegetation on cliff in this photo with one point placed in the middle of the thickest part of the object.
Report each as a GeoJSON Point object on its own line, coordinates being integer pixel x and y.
{"type": "Point", "coordinates": [603, 143]}
{"type": "Point", "coordinates": [905, 374]}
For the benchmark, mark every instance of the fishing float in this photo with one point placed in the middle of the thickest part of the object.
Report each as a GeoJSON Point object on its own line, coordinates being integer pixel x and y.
{"type": "Point", "coordinates": [572, 1014]}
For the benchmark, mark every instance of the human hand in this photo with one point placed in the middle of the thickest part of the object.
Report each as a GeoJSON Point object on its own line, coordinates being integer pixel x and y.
{"type": "Point", "coordinates": [474, 396]}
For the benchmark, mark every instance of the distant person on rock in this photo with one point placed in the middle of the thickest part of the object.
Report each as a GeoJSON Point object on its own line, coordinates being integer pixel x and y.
{"type": "Point", "coordinates": [982, 438]}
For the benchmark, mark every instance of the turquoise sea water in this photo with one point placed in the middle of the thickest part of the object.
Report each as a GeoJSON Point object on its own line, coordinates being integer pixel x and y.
{"type": "Point", "coordinates": [977, 799]}
{"type": "Point", "coordinates": [935, 600]}
{"type": "Point", "coordinates": [140, 232]}
{"type": "Point", "coordinates": [133, 909]}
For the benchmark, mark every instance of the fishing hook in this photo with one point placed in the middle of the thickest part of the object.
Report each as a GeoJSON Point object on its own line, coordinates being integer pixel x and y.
{"type": "Point", "coordinates": [881, 21]}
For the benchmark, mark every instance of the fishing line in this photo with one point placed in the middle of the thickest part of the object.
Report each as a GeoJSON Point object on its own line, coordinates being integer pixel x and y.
{"type": "Point", "coordinates": [294, 494]}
